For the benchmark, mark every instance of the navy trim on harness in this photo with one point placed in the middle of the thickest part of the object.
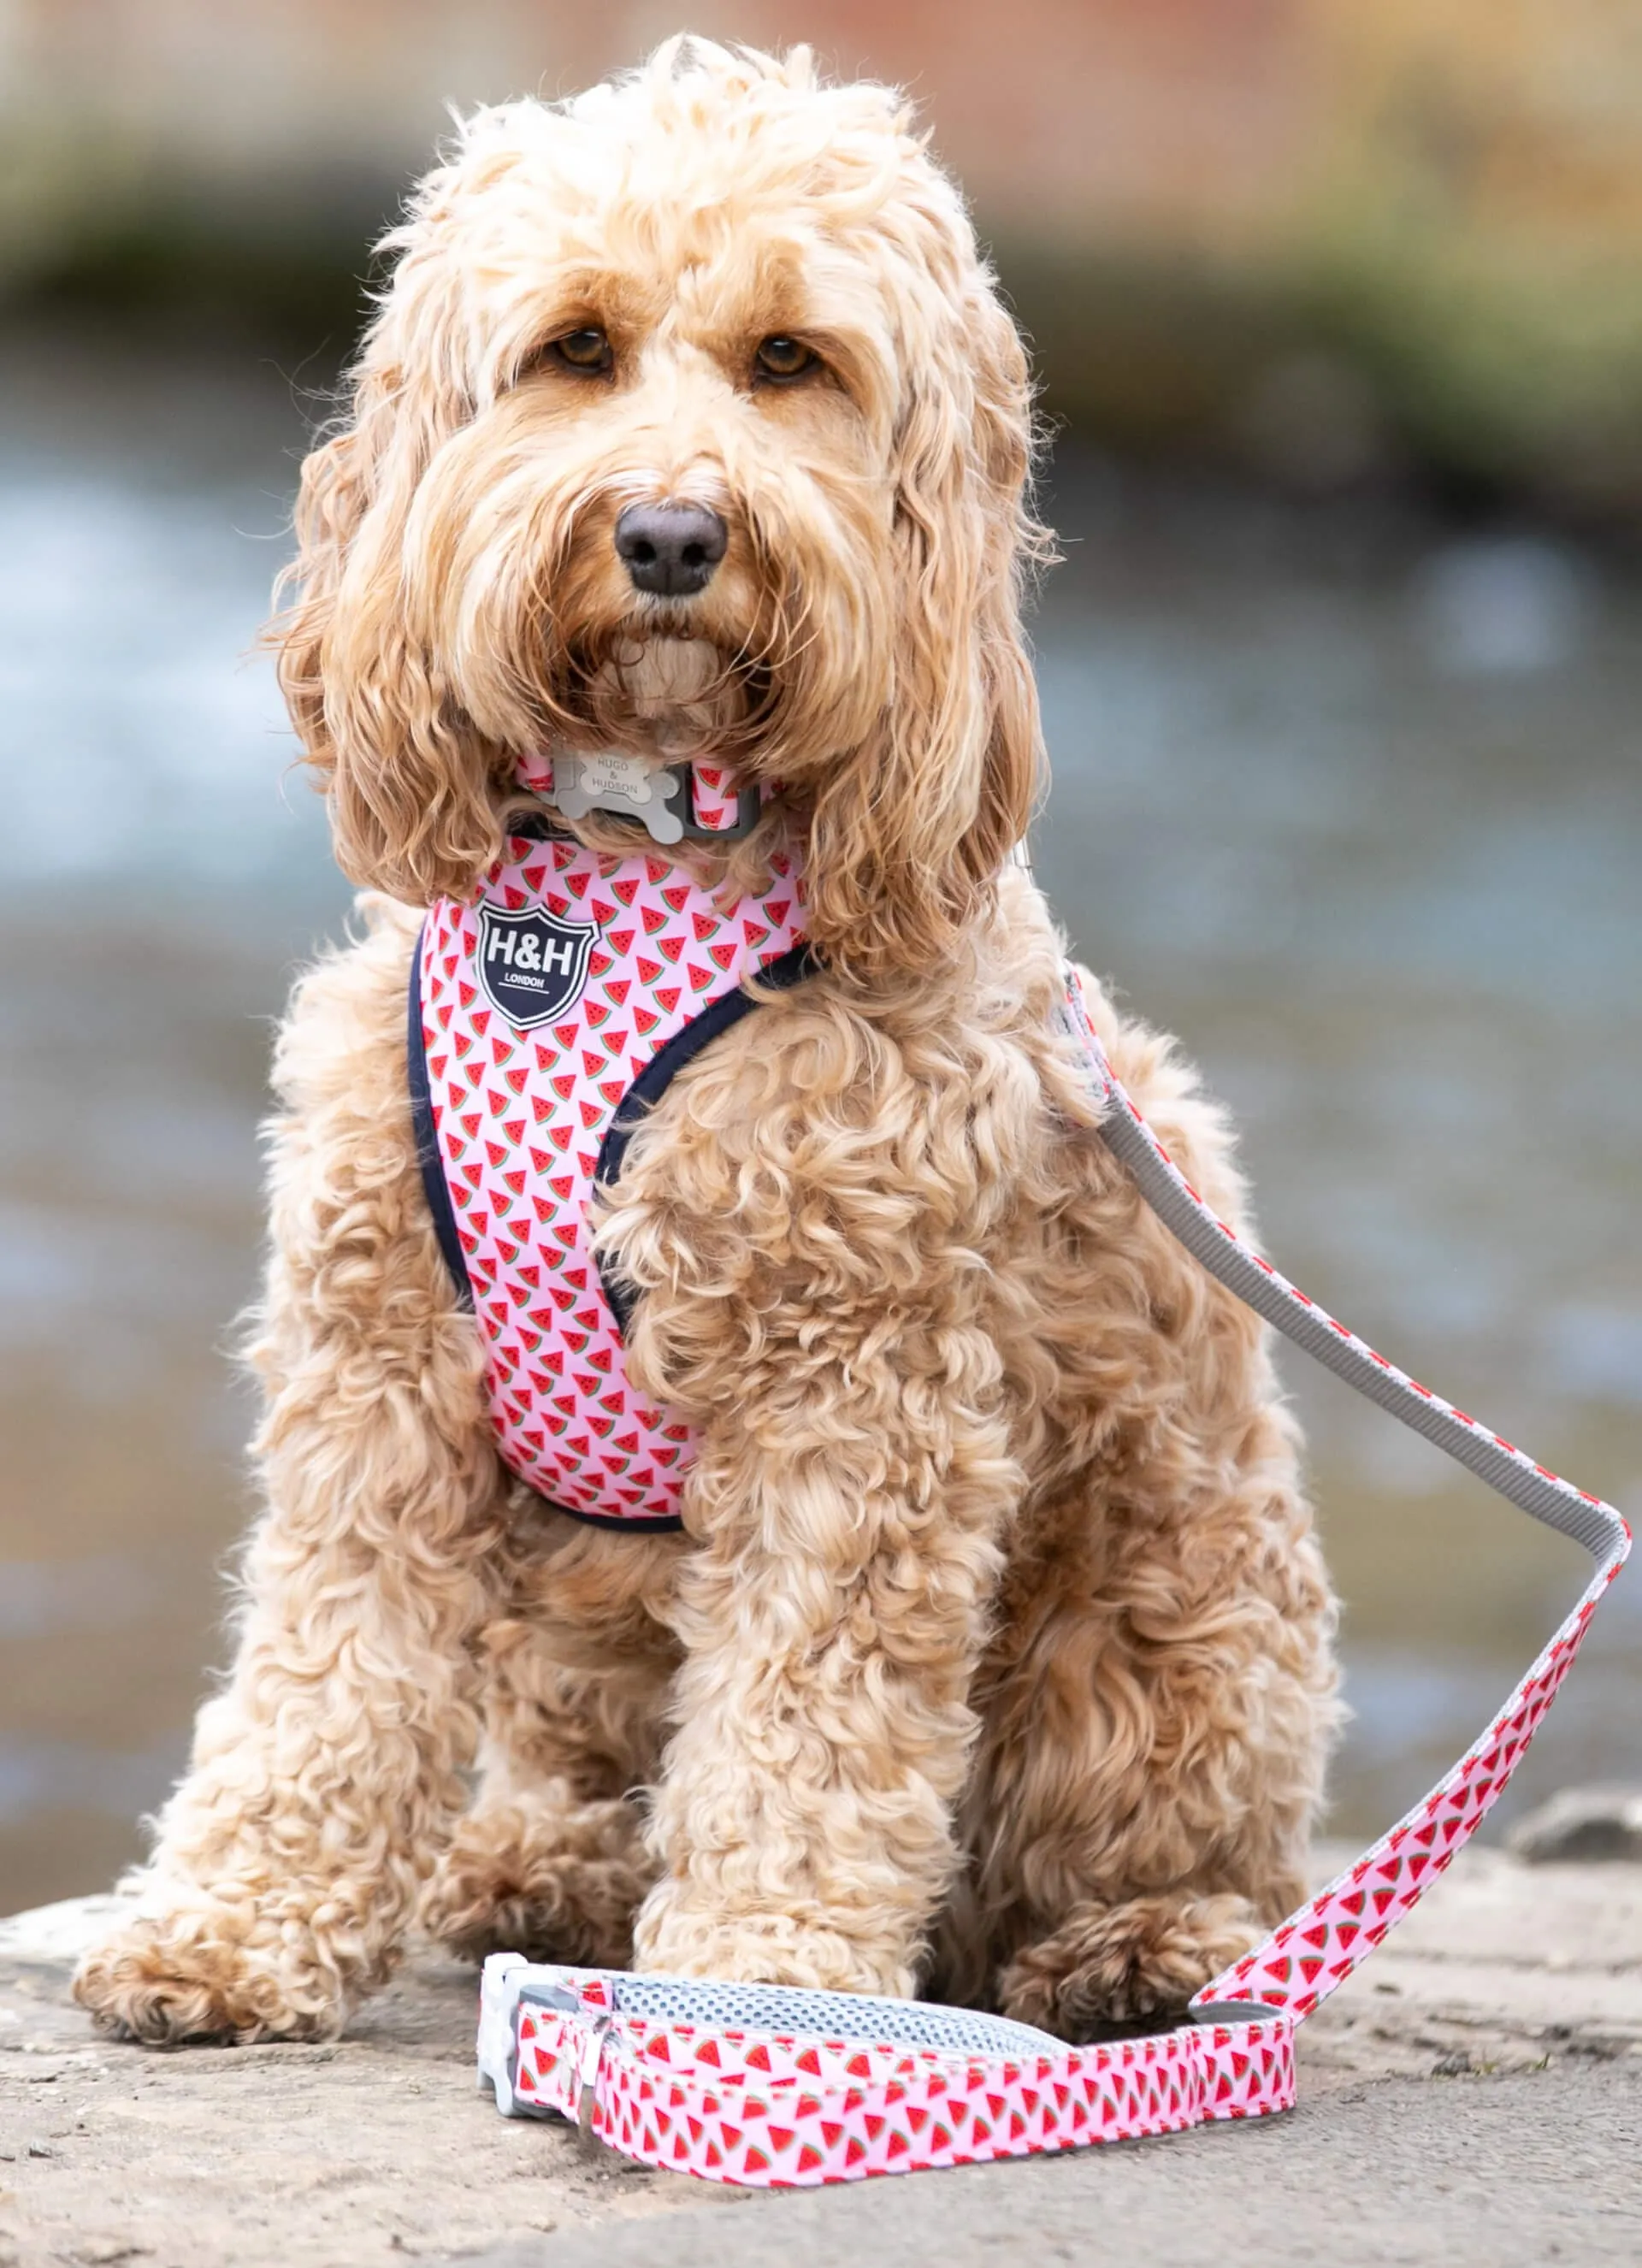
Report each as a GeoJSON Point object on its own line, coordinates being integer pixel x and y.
{"type": "Point", "coordinates": [434, 1185]}
{"type": "Point", "coordinates": [626, 1524]}
{"type": "Point", "coordinates": [788, 969]}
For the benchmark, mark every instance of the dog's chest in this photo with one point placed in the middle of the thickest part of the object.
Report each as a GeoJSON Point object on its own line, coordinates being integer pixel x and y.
{"type": "Point", "coordinates": [544, 1021]}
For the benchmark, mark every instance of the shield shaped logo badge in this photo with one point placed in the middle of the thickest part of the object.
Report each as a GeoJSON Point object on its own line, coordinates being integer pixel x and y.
{"type": "Point", "coordinates": [533, 965]}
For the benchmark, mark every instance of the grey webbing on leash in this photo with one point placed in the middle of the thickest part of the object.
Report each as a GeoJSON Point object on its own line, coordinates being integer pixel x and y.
{"type": "Point", "coordinates": [1505, 1469]}
{"type": "Point", "coordinates": [1311, 1952]}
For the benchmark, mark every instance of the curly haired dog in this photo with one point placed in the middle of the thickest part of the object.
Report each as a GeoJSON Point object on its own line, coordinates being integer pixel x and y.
{"type": "Point", "coordinates": [993, 1658]}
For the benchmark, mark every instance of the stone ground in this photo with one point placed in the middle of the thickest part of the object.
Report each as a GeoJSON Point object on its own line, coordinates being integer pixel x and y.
{"type": "Point", "coordinates": [1474, 2096]}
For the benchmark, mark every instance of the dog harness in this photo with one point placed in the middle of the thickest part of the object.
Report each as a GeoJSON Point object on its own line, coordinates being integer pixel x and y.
{"type": "Point", "coordinates": [774, 2087]}
{"type": "Point", "coordinates": [545, 1020]}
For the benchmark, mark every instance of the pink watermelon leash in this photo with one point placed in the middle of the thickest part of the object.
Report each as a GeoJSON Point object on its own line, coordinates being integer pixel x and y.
{"type": "Point", "coordinates": [774, 2087]}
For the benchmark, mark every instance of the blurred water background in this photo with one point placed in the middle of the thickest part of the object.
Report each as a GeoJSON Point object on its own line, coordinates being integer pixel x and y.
{"type": "Point", "coordinates": [1343, 691]}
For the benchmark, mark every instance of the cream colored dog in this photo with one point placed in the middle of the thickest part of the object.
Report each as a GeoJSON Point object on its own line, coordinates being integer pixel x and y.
{"type": "Point", "coordinates": [994, 1658]}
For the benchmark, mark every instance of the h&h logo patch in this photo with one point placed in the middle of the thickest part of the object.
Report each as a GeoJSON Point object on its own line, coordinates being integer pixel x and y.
{"type": "Point", "coordinates": [533, 966]}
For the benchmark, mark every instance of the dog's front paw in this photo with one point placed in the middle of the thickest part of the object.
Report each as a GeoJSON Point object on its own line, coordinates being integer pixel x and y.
{"type": "Point", "coordinates": [211, 1973]}
{"type": "Point", "coordinates": [554, 1883]}
{"type": "Point", "coordinates": [671, 1939]}
{"type": "Point", "coordinates": [1119, 1966]}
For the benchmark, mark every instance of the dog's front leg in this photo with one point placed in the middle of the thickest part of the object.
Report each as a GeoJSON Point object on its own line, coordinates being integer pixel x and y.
{"type": "Point", "coordinates": [325, 1773]}
{"type": "Point", "coordinates": [849, 1506]}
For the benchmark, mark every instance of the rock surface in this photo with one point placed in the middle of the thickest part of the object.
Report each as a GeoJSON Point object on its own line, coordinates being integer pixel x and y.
{"type": "Point", "coordinates": [1583, 1824]}
{"type": "Point", "coordinates": [1475, 2092]}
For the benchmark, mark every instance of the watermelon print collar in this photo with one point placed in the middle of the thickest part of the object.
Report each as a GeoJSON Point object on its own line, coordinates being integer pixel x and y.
{"type": "Point", "coordinates": [769, 2088]}
{"type": "Point", "coordinates": [672, 803]}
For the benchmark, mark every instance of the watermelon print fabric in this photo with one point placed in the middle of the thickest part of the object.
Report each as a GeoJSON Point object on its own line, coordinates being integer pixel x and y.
{"type": "Point", "coordinates": [535, 1011]}
{"type": "Point", "coordinates": [773, 2089]}
{"type": "Point", "coordinates": [796, 2105]}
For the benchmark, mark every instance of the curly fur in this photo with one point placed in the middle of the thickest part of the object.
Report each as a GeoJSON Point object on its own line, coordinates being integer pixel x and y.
{"type": "Point", "coordinates": [994, 1659]}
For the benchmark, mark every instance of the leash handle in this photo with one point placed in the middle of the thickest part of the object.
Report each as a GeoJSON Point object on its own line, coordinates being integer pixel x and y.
{"type": "Point", "coordinates": [1306, 1957]}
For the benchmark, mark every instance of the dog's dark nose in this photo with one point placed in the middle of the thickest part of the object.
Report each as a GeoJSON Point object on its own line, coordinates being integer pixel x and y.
{"type": "Point", "coordinates": [671, 548]}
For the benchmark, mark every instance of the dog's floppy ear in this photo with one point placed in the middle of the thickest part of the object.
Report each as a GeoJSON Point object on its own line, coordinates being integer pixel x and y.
{"type": "Point", "coordinates": [910, 832]}
{"type": "Point", "coordinates": [406, 775]}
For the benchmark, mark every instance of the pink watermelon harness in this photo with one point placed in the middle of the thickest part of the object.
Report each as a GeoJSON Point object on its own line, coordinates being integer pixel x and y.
{"type": "Point", "coordinates": [545, 1020]}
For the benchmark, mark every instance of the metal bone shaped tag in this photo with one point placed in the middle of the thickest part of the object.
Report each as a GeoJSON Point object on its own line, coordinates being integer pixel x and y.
{"type": "Point", "coordinates": [626, 785]}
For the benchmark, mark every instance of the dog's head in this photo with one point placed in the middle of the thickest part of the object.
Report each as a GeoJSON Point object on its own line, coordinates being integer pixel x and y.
{"type": "Point", "coordinates": [689, 423]}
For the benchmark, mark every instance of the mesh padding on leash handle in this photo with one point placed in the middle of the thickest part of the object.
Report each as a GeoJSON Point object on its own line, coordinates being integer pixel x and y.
{"type": "Point", "coordinates": [776, 2009]}
{"type": "Point", "coordinates": [1317, 1948]}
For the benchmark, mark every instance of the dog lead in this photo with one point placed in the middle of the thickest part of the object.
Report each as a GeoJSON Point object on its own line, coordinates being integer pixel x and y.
{"type": "Point", "coordinates": [770, 2087]}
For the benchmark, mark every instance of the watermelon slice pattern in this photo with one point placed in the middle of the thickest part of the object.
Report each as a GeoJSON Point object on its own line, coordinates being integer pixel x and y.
{"type": "Point", "coordinates": [778, 2110]}
{"type": "Point", "coordinates": [1313, 1952]}
{"type": "Point", "coordinates": [1316, 1950]}
{"type": "Point", "coordinates": [791, 2109]}
{"type": "Point", "coordinates": [714, 796]}
{"type": "Point", "coordinates": [519, 1117]}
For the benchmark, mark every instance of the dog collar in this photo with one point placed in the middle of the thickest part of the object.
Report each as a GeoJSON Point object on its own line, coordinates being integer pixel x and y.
{"type": "Point", "coordinates": [673, 803]}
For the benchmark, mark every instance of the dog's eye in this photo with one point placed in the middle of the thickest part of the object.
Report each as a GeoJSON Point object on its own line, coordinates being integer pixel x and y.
{"type": "Point", "coordinates": [587, 350]}
{"type": "Point", "coordinates": [782, 359]}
